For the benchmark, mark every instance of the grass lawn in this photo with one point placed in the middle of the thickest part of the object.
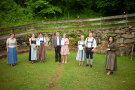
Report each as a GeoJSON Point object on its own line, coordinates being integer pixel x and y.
{"type": "Point", "coordinates": [54, 76]}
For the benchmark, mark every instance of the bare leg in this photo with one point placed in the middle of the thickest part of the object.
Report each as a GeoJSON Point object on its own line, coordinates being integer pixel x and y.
{"type": "Point", "coordinates": [32, 61]}
{"type": "Point", "coordinates": [82, 62]}
{"type": "Point", "coordinates": [66, 59]}
{"type": "Point", "coordinates": [62, 58]}
{"type": "Point", "coordinates": [109, 72]}
{"type": "Point", "coordinates": [79, 63]}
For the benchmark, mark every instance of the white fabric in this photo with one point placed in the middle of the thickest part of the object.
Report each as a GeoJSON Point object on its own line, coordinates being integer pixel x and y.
{"type": "Point", "coordinates": [89, 44]}
{"type": "Point", "coordinates": [80, 47]}
{"type": "Point", "coordinates": [41, 39]}
{"type": "Point", "coordinates": [11, 43]}
{"type": "Point", "coordinates": [58, 41]}
{"type": "Point", "coordinates": [62, 42]}
{"type": "Point", "coordinates": [38, 42]}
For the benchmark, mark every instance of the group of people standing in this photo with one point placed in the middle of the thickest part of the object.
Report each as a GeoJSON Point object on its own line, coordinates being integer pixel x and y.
{"type": "Point", "coordinates": [37, 48]}
{"type": "Point", "coordinates": [86, 49]}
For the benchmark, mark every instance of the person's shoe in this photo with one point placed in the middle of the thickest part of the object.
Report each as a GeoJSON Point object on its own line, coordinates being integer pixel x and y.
{"type": "Point", "coordinates": [87, 64]}
{"type": "Point", "coordinates": [108, 73]}
{"type": "Point", "coordinates": [90, 65]}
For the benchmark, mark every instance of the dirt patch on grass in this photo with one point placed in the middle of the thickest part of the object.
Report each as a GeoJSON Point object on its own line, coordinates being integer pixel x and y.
{"type": "Point", "coordinates": [55, 76]}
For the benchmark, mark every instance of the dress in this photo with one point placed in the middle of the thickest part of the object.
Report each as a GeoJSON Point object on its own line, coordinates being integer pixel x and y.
{"type": "Point", "coordinates": [81, 53]}
{"type": "Point", "coordinates": [111, 60]}
{"type": "Point", "coordinates": [12, 53]}
{"type": "Point", "coordinates": [64, 48]}
{"type": "Point", "coordinates": [41, 54]}
{"type": "Point", "coordinates": [33, 51]}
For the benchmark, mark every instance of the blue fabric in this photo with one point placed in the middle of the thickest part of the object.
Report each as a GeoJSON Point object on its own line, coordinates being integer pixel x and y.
{"type": "Point", "coordinates": [12, 55]}
{"type": "Point", "coordinates": [33, 53]}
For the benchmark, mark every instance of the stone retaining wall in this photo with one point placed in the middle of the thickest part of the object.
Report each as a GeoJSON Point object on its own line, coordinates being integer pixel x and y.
{"type": "Point", "coordinates": [125, 38]}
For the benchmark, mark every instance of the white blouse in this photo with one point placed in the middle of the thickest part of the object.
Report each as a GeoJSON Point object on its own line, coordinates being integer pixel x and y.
{"type": "Point", "coordinates": [11, 43]}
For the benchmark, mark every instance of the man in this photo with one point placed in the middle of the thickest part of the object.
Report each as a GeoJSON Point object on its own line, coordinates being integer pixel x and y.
{"type": "Point", "coordinates": [90, 44]}
{"type": "Point", "coordinates": [56, 43]}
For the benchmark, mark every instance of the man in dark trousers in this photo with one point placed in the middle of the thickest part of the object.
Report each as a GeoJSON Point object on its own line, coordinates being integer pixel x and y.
{"type": "Point", "coordinates": [90, 44]}
{"type": "Point", "coordinates": [56, 43]}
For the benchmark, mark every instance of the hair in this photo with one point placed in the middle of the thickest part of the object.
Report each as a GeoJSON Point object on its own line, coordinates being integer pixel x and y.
{"type": "Point", "coordinates": [57, 32]}
{"type": "Point", "coordinates": [112, 38]}
{"type": "Point", "coordinates": [40, 33]}
{"type": "Point", "coordinates": [90, 32]}
{"type": "Point", "coordinates": [82, 36]}
{"type": "Point", "coordinates": [64, 34]}
{"type": "Point", "coordinates": [11, 33]}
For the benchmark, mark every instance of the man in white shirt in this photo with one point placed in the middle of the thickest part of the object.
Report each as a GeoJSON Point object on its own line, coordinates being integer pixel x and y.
{"type": "Point", "coordinates": [56, 43]}
{"type": "Point", "coordinates": [90, 44]}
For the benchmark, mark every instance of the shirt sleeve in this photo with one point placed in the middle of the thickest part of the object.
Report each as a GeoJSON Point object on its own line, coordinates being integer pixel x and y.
{"type": "Point", "coordinates": [67, 42]}
{"type": "Point", "coordinates": [29, 39]}
{"type": "Point", "coordinates": [85, 41]}
{"type": "Point", "coordinates": [94, 43]}
{"type": "Point", "coordinates": [44, 39]}
{"type": "Point", "coordinates": [7, 41]}
{"type": "Point", "coordinates": [15, 41]}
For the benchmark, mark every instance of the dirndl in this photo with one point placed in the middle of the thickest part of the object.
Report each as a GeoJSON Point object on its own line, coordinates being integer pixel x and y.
{"type": "Point", "coordinates": [80, 55]}
{"type": "Point", "coordinates": [41, 54]}
{"type": "Point", "coordinates": [33, 53]}
{"type": "Point", "coordinates": [12, 55]}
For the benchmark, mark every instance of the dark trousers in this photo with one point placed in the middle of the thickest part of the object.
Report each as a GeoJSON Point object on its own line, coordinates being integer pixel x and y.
{"type": "Point", "coordinates": [89, 53]}
{"type": "Point", "coordinates": [57, 54]}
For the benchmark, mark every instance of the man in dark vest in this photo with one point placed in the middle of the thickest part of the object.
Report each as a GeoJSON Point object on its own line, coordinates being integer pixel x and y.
{"type": "Point", "coordinates": [90, 44]}
{"type": "Point", "coordinates": [56, 43]}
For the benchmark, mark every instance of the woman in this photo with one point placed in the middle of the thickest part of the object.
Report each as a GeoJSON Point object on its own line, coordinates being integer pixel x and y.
{"type": "Point", "coordinates": [111, 60]}
{"type": "Point", "coordinates": [11, 46]}
{"type": "Point", "coordinates": [41, 54]}
{"type": "Point", "coordinates": [33, 49]}
{"type": "Point", "coordinates": [64, 49]}
{"type": "Point", "coordinates": [81, 53]}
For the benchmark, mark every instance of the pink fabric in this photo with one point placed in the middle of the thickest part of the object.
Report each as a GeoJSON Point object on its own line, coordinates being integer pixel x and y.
{"type": "Point", "coordinates": [65, 49]}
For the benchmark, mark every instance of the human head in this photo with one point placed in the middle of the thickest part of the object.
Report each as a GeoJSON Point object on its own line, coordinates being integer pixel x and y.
{"type": "Point", "coordinates": [57, 33]}
{"type": "Point", "coordinates": [82, 37]}
{"type": "Point", "coordinates": [110, 39]}
{"type": "Point", "coordinates": [12, 35]}
{"type": "Point", "coordinates": [90, 34]}
{"type": "Point", "coordinates": [40, 34]}
{"type": "Point", "coordinates": [64, 35]}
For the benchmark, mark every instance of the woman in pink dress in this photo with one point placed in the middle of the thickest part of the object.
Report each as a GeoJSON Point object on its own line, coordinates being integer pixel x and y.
{"type": "Point", "coordinates": [64, 48]}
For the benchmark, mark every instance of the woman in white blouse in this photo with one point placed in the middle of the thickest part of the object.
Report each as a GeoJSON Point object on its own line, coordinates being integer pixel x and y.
{"type": "Point", "coordinates": [41, 54]}
{"type": "Point", "coordinates": [11, 46]}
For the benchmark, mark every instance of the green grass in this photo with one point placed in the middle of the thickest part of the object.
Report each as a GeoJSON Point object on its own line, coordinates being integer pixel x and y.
{"type": "Point", "coordinates": [37, 76]}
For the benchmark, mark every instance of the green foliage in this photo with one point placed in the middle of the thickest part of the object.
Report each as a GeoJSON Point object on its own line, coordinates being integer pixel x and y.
{"type": "Point", "coordinates": [16, 12]}
{"type": "Point", "coordinates": [42, 8]}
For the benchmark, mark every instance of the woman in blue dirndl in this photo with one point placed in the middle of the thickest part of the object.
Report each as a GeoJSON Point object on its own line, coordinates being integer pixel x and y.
{"type": "Point", "coordinates": [81, 53]}
{"type": "Point", "coordinates": [11, 45]}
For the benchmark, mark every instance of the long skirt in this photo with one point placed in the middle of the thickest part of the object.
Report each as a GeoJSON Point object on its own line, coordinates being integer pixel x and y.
{"type": "Point", "coordinates": [33, 52]}
{"type": "Point", "coordinates": [30, 54]}
{"type": "Point", "coordinates": [41, 54]}
{"type": "Point", "coordinates": [12, 56]}
{"type": "Point", "coordinates": [80, 55]}
{"type": "Point", "coordinates": [111, 62]}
